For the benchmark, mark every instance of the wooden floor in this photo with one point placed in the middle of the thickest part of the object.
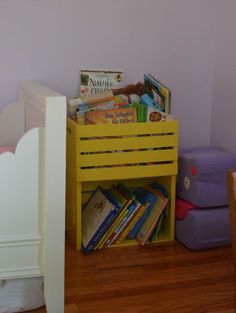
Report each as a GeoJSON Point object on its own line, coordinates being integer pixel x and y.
{"type": "Point", "coordinates": [151, 279]}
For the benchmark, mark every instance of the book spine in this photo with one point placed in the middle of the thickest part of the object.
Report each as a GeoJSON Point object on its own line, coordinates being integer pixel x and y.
{"type": "Point", "coordinates": [151, 201]}
{"type": "Point", "coordinates": [100, 231]}
{"type": "Point", "coordinates": [113, 226]}
{"type": "Point", "coordinates": [130, 225]}
{"type": "Point", "coordinates": [108, 233]}
{"type": "Point", "coordinates": [158, 228]}
{"type": "Point", "coordinates": [142, 237]}
{"type": "Point", "coordinates": [132, 208]}
{"type": "Point", "coordinates": [142, 241]}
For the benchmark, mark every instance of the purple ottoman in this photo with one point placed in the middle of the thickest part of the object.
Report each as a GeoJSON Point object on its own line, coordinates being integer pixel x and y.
{"type": "Point", "coordinates": [202, 176]}
{"type": "Point", "coordinates": [204, 228]}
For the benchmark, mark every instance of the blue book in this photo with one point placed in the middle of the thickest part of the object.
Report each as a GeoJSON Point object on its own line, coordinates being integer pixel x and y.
{"type": "Point", "coordinates": [97, 215]}
{"type": "Point", "coordinates": [143, 196]}
{"type": "Point", "coordinates": [150, 102]}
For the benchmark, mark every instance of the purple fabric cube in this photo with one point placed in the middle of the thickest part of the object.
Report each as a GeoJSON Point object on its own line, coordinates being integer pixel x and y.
{"type": "Point", "coordinates": [202, 176]}
{"type": "Point", "coordinates": [202, 229]}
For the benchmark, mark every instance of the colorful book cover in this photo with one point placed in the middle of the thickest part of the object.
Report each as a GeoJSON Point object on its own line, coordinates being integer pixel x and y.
{"type": "Point", "coordinates": [155, 115]}
{"type": "Point", "coordinates": [111, 116]}
{"type": "Point", "coordinates": [118, 220]}
{"type": "Point", "coordinates": [133, 207]}
{"type": "Point", "coordinates": [97, 213]}
{"type": "Point", "coordinates": [158, 91]}
{"type": "Point", "coordinates": [144, 196]}
{"type": "Point", "coordinates": [141, 110]}
{"type": "Point", "coordinates": [95, 81]}
{"type": "Point", "coordinates": [124, 203]}
{"type": "Point", "coordinates": [139, 213]}
{"type": "Point", "coordinates": [148, 226]}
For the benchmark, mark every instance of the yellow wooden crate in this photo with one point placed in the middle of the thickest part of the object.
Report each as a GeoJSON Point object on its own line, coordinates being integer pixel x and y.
{"type": "Point", "coordinates": [105, 154]}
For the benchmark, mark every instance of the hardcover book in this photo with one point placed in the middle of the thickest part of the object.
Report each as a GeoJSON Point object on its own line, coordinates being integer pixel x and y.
{"type": "Point", "coordinates": [97, 81]}
{"type": "Point", "coordinates": [159, 92]}
{"type": "Point", "coordinates": [112, 228]}
{"type": "Point", "coordinates": [138, 214]}
{"type": "Point", "coordinates": [112, 116]}
{"type": "Point", "coordinates": [124, 206]}
{"type": "Point", "coordinates": [157, 229]}
{"type": "Point", "coordinates": [155, 115]}
{"type": "Point", "coordinates": [145, 197]}
{"type": "Point", "coordinates": [132, 209]}
{"type": "Point", "coordinates": [148, 226]}
{"type": "Point", "coordinates": [97, 215]}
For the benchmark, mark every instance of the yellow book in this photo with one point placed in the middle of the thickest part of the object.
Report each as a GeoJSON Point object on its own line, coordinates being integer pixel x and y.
{"type": "Point", "coordinates": [134, 220]}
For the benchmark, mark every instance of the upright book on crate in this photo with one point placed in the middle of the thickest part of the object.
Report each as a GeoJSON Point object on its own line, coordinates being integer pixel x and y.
{"type": "Point", "coordinates": [95, 81]}
{"type": "Point", "coordinates": [147, 199]}
{"type": "Point", "coordinates": [130, 224]}
{"type": "Point", "coordinates": [131, 211]}
{"type": "Point", "coordinates": [97, 215]}
{"type": "Point", "coordinates": [150, 223]}
{"type": "Point", "coordinates": [124, 202]}
{"type": "Point", "coordinates": [111, 116]}
{"type": "Point", "coordinates": [158, 91]}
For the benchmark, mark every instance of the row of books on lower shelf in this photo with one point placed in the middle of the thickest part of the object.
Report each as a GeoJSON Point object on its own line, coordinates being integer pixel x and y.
{"type": "Point", "coordinates": [112, 215]}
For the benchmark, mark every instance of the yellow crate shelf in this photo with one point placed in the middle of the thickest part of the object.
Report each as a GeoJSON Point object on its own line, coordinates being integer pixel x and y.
{"type": "Point", "coordinates": [105, 154]}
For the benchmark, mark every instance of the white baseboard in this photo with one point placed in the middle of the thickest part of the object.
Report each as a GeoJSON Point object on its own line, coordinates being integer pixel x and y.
{"type": "Point", "coordinates": [20, 257]}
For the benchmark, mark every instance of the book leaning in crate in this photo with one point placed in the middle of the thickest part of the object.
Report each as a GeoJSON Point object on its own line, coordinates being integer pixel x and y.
{"type": "Point", "coordinates": [114, 215]}
{"type": "Point", "coordinates": [141, 102]}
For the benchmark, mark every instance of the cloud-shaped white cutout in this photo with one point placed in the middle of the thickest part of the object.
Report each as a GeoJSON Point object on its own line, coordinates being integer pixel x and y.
{"type": "Point", "coordinates": [19, 187]}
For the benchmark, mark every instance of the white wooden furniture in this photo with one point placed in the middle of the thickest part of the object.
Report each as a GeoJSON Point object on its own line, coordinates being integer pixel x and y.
{"type": "Point", "coordinates": [32, 190]}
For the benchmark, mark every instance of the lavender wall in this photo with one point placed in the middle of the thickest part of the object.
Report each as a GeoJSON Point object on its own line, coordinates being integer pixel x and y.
{"type": "Point", "coordinates": [50, 40]}
{"type": "Point", "coordinates": [224, 89]}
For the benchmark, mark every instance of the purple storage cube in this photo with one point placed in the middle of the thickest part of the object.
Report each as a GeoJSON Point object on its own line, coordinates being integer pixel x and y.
{"type": "Point", "coordinates": [202, 176]}
{"type": "Point", "coordinates": [204, 228]}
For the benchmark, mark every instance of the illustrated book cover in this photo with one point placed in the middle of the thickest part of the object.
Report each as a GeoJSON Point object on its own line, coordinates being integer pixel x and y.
{"type": "Point", "coordinates": [145, 197]}
{"type": "Point", "coordinates": [130, 224]}
{"type": "Point", "coordinates": [124, 203]}
{"type": "Point", "coordinates": [111, 116]}
{"type": "Point", "coordinates": [131, 211]}
{"type": "Point", "coordinates": [97, 215]}
{"type": "Point", "coordinates": [95, 81]}
{"type": "Point", "coordinates": [155, 115]}
{"type": "Point", "coordinates": [158, 91]}
{"type": "Point", "coordinates": [150, 223]}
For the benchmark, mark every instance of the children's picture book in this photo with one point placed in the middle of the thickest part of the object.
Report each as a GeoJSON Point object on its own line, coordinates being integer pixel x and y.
{"type": "Point", "coordinates": [111, 116]}
{"type": "Point", "coordinates": [130, 224]}
{"type": "Point", "coordinates": [118, 220]}
{"type": "Point", "coordinates": [131, 211]}
{"type": "Point", "coordinates": [158, 91]}
{"type": "Point", "coordinates": [155, 115]}
{"type": "Point", "coordinates": [150, 223]}
{"type": "Point", "coordinates": [123, 192]}
{"type": "Point", "coordinates": [95, 81]}
{"type": "Point", "coordinates": [145, 197]}
{"type": "Point", "coordinates": [97, 215]}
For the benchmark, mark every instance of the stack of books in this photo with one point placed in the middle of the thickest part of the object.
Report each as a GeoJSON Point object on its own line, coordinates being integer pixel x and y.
{"type": "Point", "coordinates": [123, 105]}
{"type": "Point", "coordinates": [113, 215]}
